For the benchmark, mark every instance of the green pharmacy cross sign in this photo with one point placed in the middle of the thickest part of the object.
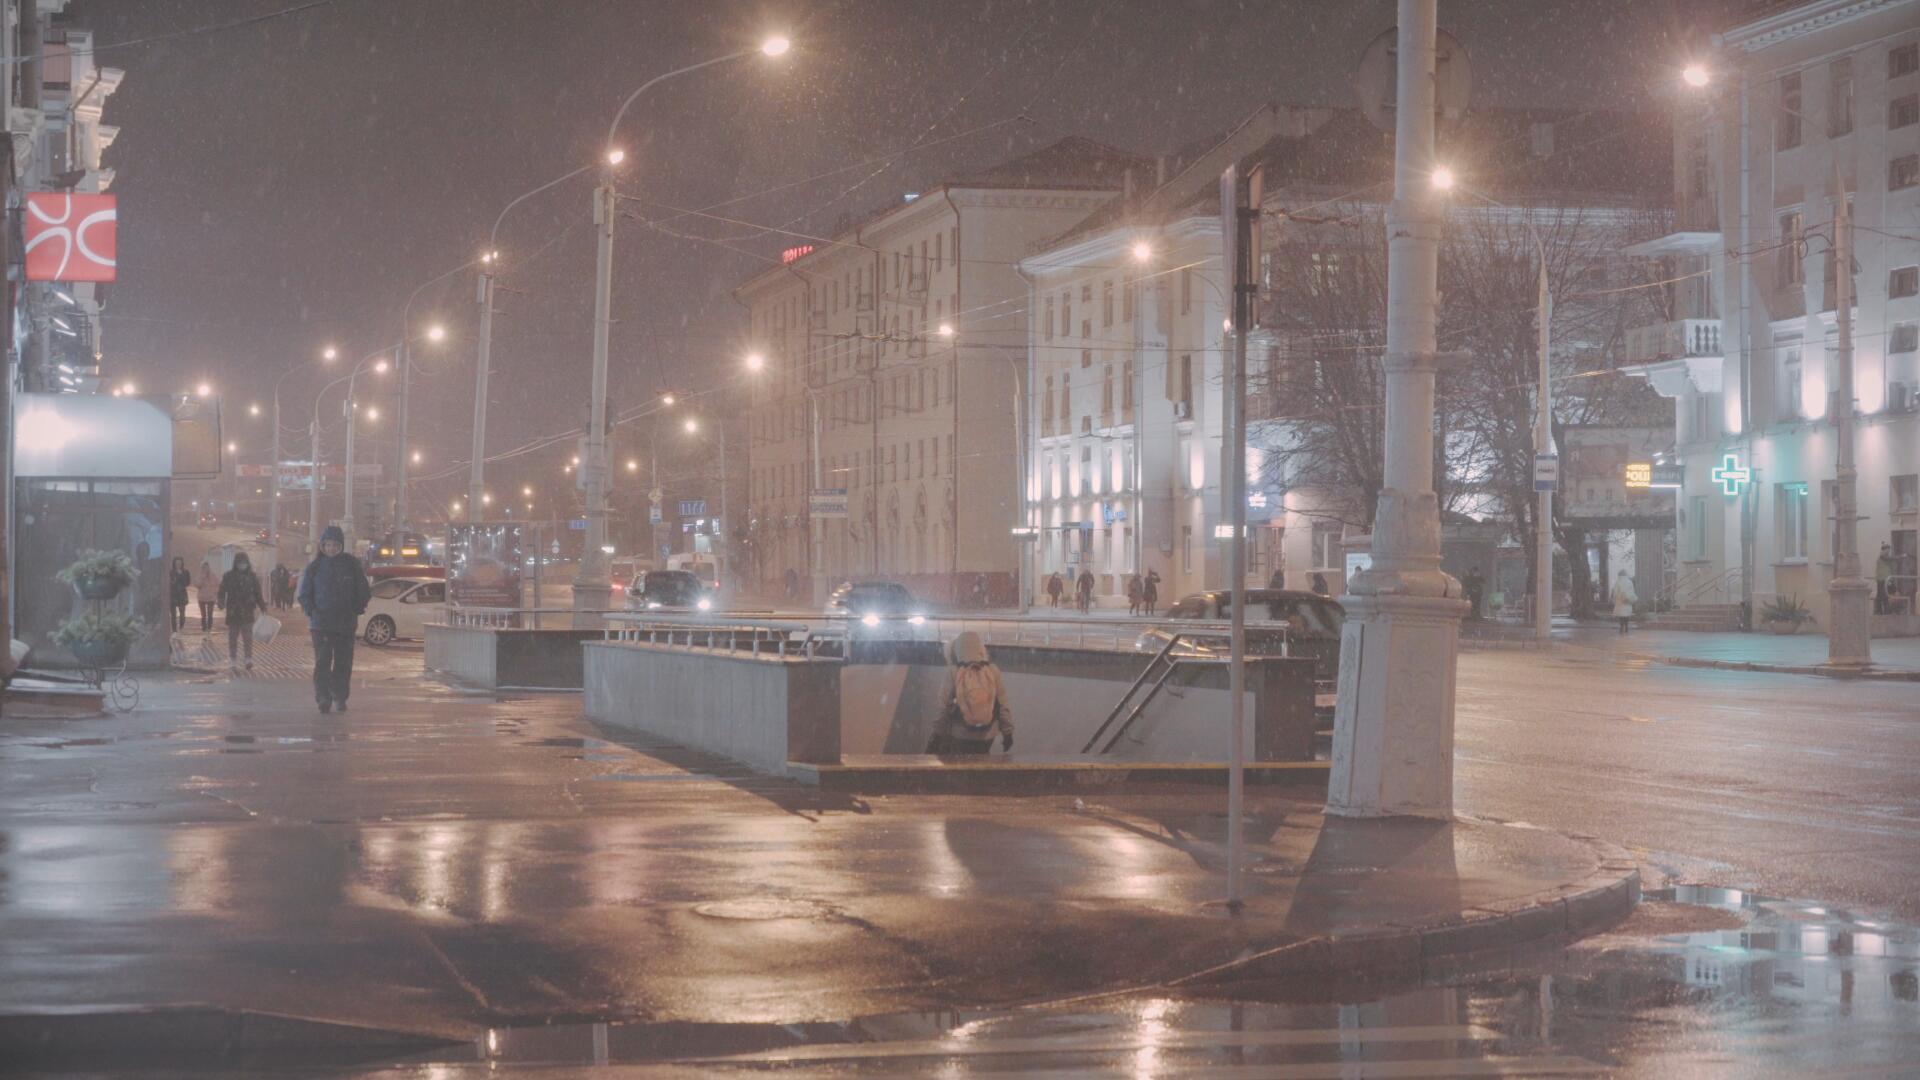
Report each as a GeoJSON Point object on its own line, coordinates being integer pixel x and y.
{"type": "Point", "coordinates": [1730, 476]}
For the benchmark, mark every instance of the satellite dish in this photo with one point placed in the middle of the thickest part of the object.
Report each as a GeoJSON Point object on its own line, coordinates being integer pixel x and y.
{"type": "Point", "coordinates": [1376, 78]}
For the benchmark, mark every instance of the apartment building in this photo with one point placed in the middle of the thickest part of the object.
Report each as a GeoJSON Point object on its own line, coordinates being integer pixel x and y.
{"type": "Point", "coordinates": [886, 423]}
{"type": "Point", "coordinates": [1796, 107]}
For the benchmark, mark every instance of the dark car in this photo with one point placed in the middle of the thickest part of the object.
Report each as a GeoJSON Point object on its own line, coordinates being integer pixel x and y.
{"type": "Point", "coordinates": [668, 590]}
{"type": "Point", "coordinates": [1280, 622]}
{"type": "Point", "coordinates": [877, 609]}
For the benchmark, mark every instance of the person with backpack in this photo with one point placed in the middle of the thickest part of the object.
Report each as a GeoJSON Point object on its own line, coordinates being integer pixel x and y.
{"type": "Point", "coordinates": [974, 705]}
{"type": "Point", "coordinates": [240, 598]}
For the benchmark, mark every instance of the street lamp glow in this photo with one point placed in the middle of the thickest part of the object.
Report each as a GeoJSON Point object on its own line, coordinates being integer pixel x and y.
{"type": "Point", "coordinates": [946, 330]}
{"type": "Point", "coordinates": [775, 46]}
{"type": "Point", "coordinates": [233, 448]}
{"type": "Point", "coordinates": [633, 465]}
{"type": "Point", "coordinates": [486, 498]}
{"type": "Point", "coordinates": [1696, 75]}
{"type": "Point", "coordinates": [489, 256]}
{"type": "Point", "coordinates": [436, 332]}
{"type": "Point", "coordinates": [128, 388]}
{"type": "Point", "coordinates": [527, 491]}
{"type": "Point", "coordinates": [1443, 178]}
{"type": "Point", "coordinates": [253, 409]}
{"type": "Point", "coordinates": [1142, 251]}
{"type": "Point", "coordinates": [692, 425]}
{"type": "Point", "coordinates": [373, 412]}
{"type": "Point", "coordinates": [380, 367]}
{"type": "Point", "coordinates": [204, 390]}
{"type": "Point", "coordinates": [615, 157]}
{"type": "Point", "coordinates": [576, 459]}
{"type": "Point", "coordinates": [416, 457]}
{"type": "Point", "coordinates": [330, 353]}
{"type": "Point", "coordinates": [666, 399]}
{"type": "Point", "coordinates": [755, 362]}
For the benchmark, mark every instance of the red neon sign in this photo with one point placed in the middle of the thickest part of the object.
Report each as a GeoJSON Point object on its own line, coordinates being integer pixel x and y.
{"type": "Point", "coordinates": [793, 253]}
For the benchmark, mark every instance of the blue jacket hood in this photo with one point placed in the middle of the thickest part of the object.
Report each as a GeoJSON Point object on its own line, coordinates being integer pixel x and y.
{"type": "Point", "coordinates": [332, 532]}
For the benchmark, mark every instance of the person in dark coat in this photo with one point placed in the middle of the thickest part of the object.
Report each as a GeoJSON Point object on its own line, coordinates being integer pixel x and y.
{"type": "Point", "coordinates": [333, 593]}
{"type": "Point", "coordinates": [179, 580]}
{"type": "Point", "coordinates": [1083, 587]}
{"type": "Point", "coordinates": [280, 586]}
{"type": "Point", "coordinates": [1055, 587]}
{"type": "Point", "coordinates": [1318, 583]}
{"type": "Point", "coordinates": [240, 598]}
{"type": "Point", "coordinates": [1150, 590]}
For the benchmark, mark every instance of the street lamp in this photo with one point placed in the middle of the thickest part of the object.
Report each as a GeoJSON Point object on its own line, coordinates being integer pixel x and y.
{"type": "Point", "coordinates": [204, 390]}
{"type": "Point", "coordinates": [253, 409]}
{"type": "Point", "coordinates": [1142, 251]}
{"type": "Point", "coordinates": [1696, 75]}
{"type": "Point", "coordinates": [1442, 179]}
{"type": "Point", "coordinates": [754, 362]}
{"type": "Point", "coordinates": [592, 579]}
{"type": "Point", "coordinates": [347, 407]}
{"type": "Point", "coordinates": [692, 425]}
{"type": "Point", "coordinates": [328, 354]}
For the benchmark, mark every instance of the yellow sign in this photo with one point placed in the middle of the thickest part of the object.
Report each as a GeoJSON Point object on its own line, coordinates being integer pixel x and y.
{"type": "Point", "coordinates": [1639, 474]}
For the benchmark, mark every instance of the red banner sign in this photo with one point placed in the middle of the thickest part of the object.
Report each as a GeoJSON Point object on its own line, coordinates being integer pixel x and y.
{"type": "Point", "coordinates": [71, 237]}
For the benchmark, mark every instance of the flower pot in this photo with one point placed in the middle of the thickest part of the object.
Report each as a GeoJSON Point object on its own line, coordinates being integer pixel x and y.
{"type": "Point", "coordinates": [1784, 626]}
{"type": "Point", "coordinates": [98, 588]}
{"type": "Point", "coordinates": [99, 654]}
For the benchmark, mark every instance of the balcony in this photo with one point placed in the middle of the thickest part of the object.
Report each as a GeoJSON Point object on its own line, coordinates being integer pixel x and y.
{"type": "Point", "coordinates": [1679, 339]}
{"type": "Point", "coordinates": [1694, 233]}
{"type": "Point", "coordinates": [1672, 354]}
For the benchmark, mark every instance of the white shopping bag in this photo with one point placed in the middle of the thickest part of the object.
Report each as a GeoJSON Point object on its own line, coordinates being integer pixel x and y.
{"type": "Point", "coordinates": [264, 629]}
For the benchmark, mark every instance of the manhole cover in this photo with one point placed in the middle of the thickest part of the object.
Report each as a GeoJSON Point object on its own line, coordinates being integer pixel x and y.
{"type": "Point", "coordinates": [761, 907]}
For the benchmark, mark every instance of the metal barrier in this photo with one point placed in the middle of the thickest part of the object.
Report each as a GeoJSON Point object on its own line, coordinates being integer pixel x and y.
{"type": "Point", "coordinates": [774, 637]}
{"type": "Point", "coordinates": [518, 618]}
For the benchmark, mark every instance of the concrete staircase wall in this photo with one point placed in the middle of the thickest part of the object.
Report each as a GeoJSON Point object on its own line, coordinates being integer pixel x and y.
{"type": "Point", "coordinates": [1700, 618]}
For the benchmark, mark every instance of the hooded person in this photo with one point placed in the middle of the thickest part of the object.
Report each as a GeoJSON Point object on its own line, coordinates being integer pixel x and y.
{"type": "Point", "coordinates": [973, 704]}
{"type": "Point", "coordinates": [333, 593]}
{"type": "Point", "coordinates": [240, 598]}
{"type": "Point", "coordinates": [1623, 599]}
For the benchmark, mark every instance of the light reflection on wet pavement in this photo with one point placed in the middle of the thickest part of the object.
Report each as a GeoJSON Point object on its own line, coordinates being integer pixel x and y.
{"type": "Point", "coordinates": [1785, 988]}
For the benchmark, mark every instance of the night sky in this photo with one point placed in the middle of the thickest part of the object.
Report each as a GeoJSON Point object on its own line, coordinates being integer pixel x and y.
{"type": "Point", "coordinates": [288, 183]}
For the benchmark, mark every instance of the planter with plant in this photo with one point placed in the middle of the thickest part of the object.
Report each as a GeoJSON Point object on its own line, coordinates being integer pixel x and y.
{"type": "Point", "coordinates": [99, 639]}
{"type": "Point", "coordinates": [1785, 614]}
{"type": "Point", "coordinates": [100, 575]}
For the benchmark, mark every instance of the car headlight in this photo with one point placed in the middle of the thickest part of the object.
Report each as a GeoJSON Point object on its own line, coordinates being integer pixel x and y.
{"type": "Point", "coordinates": [917, 620]}
{"type": "Point", "coordinates": [653, 605]}
{"type": "Point", "coordinates": [870, 620]}
{"type": "Point", "coordinates": [704, 604]}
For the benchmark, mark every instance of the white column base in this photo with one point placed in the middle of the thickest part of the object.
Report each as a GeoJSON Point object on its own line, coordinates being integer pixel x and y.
{"type": "Point", "coordinates": [1849, 638]}
{"type": "Point", "coordinates": [1393, 729]}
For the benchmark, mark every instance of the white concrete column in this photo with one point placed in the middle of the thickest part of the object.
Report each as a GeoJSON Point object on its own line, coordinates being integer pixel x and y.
{"type": "Point", "coordinates": [1393, 729]}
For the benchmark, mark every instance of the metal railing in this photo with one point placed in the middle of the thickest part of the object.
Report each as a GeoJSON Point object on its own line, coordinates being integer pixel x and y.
{"type": "Point", "coordinates": [769, 637]}
{"type": "Point", "coordinates": [504, 618]}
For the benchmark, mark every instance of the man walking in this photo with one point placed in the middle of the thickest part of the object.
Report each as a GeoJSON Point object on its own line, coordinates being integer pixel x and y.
{"type": "Point", "coordinates": [1084, 587]}
{"type": "Point", "coordinates": [333, 592]}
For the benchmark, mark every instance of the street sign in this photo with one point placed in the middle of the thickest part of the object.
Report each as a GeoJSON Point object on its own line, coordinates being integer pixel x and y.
{"type": "Point", "coordinates": [1668, 476]}
{"type": "Point", "coordinates": [577, 525]}
{"type": "Point", "coordinates": [1376, 82]}
{"type": "Point", "coordinates": [693, 508]}
{"type": "Point", "coordinates": [1110, 513]}
{"type": "Point", "coordinates": [653, 515]}
{"type": "Point", "coordinates": [827, 503]}
{"type": "Point", "coordinates": [1546, 472]}
{"type": "Point", "coordinates": [656, 496]}
{"type": "Point", "coordinates": [1026, 532]}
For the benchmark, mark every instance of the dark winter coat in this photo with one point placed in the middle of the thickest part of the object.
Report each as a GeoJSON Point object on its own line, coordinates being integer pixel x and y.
{"type": "Point", "coordinates": [178, 581]}
{"type": "Point", "coordinates": [240, 596]}
{"type": "Point", "coordinates": [334, 592]}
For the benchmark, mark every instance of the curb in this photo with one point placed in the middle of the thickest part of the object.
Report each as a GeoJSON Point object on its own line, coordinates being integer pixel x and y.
{"type": "Point", "coordinates": [1551, 917]}
{"type": "Point", "coordinates": [954, 778]}
{"type": "Point", "coordinates": [191, 1034]}
{"type": "Point", "coordinates": [1823, 670]}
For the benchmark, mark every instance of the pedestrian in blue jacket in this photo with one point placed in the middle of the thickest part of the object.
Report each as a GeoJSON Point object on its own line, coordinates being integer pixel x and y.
{"type": "Point", "coordinates": [333, 592]}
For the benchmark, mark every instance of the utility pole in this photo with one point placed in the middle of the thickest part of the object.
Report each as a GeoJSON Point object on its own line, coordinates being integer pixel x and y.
{"type": "Point", "coordinates": [1393, 728]}
{"type": "Point", "coordinates": [346, 506]}
{"type": "Point", "coordinates": [476, 474]}
{"type": "Point", "coordinates": [1543, 444]}
{"type": "Point", "coordinates": [591, 584]}
{"type": "Point", "coordinates": [313, 490]}
{"type": "Point", "coordinates": [1849, 632]}
{"type": "Point", "coordinates": [400, 492]}
{"type": "Point", "coordinates": [1240, 225]}
{"type": "Point", "coordinates": [273, 479]}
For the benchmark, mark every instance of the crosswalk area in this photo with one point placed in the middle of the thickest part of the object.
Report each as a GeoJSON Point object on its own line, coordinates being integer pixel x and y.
{"type": "Point", "coordinates": [288, 656]}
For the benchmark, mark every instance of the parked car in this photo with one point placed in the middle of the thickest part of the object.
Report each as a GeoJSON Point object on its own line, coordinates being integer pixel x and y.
{"type": "Point", "coordinates": [668, 591]}
{"type": "Point", "coordinates": [402, 607]}
{"type": "Point", "coordinates": [1280, 622]}
{"type": "Point", "coordinates": [625, 571]}
{"type": "Point", "coordinates": [877, 609]}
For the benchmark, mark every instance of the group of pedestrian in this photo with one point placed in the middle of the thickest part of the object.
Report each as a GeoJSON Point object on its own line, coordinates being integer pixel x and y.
{"type": "Point", "coordinates": [332, 591]}
{"type": "Point", "coordinates": [1143, 593]}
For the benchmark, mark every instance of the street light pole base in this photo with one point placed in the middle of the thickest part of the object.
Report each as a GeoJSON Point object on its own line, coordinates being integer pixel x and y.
{"type": "Point", "coordinates": [1849, 622]}
{"type": "Point", "coordinates": [1393, 726]}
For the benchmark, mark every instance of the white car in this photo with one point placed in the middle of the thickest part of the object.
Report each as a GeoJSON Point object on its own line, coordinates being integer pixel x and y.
{"type": "Point", "coordinates": [402, 607]}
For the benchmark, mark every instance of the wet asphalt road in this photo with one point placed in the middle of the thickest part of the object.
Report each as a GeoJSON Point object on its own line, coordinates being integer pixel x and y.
{"type": "Point", "coordinates": [1792, 785]}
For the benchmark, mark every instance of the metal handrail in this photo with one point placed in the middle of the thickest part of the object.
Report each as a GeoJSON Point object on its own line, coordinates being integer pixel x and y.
{"type": "Point", "coordinates": [1172, 641]}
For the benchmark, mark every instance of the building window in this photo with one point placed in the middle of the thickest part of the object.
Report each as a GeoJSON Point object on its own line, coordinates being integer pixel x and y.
{"type": "Point", "coordinates": [1046, 409]}
{"type": "Point", "coordinates": [1903, 111]}
{"type": "Point", "coordinates": [1903, 60]}
{"type": "Point", "coordinates": [1126, 303]}
{"type": "Point", "coordinates": [1186, 291]}
{"type": "Point", "coordinates": [1790, 517]}
{"type": "Point", "coordinates": [1106, 395]}
{"type": "Point", "coordinates": [1788, 405]}
{"type": "Point", "coordinates": [1903, 172]}
{"type": "Point", "coordinates": [1066, 313]}
{"type": "Point", "coordinates": [1793, 252]}
{"type": "Point", "coordinates": [1703, 426]}
{"type": "Point", "coordinates": [1183, 390]}
{"type": "Point", "coordinates": [1325, 553]}
{"type": "Point", "coordinates": [1126, 385]}
{"type": "Point", "coordinates": [1904, 281]}
{"type": "Point", "coordinates": [1186, 548]}
{"type": "Point", "coordinates": [1086, 469]}
{"type": "Point", "coordinates": [1840, 97]}
{"type": "Point", "coordinates": [1906, 494]}
{"type": "Point", "coordinates": [1046, 326]}
{"type": "Point", "coordinates": [1086, 358]}
{"type": "Point", "coordinates": [1106, 302]}
{"type": "Point", "coordinates": [1786, 132]}
{"type": "Point", "coordinates": [938, 265]}
{"type": "Point", "coordinates": [1066, 400]}
{"type": "Point", "coordinates": [1903, 338]}
{"type": "Point", "coordinates": [1697, 527]}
